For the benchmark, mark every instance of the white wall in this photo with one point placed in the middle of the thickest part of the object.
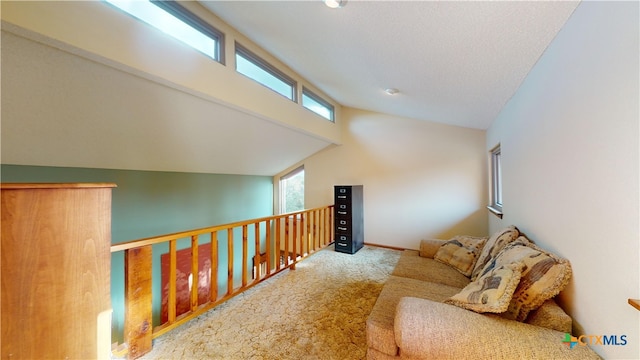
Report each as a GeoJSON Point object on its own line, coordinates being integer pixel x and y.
{"type": "Point", "coordinates": [100, 32]}
{"type": "Point", "coordinates": [421, 179]}
{"type": "Point", "coordinates": [569, 140]}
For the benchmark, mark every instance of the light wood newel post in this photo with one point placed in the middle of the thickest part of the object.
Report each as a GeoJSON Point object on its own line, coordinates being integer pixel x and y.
{"type": "Point", "coordinates": [173, 265]}
{"type": "Point", "coordinates": [195, 276]}
{"type": "Point", "coordinates": [214, 267]}
{"type": "Point", "coordinates": [138, 323]}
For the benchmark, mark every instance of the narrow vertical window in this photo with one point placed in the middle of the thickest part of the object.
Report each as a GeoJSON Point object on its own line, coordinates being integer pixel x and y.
{"type": "Point", "coordinates": [292, 191]}
{"type": "Point", "coordinates": [496, 181]}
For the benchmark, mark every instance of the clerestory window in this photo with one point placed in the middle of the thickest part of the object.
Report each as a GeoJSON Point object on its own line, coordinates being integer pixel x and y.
{"type": "Point", "coordinates": [317, 104]}
{"type": "Point", "coordinates": [173, 19]}
{"type": "Point", "coordinates": [257, 69]}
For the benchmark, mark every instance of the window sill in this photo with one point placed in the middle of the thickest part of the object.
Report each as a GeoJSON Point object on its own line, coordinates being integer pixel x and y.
{"type": "Point", "coordinates": [495, 211]}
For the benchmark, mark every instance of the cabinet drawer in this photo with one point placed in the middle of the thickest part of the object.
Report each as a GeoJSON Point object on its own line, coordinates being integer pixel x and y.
{"type": "Point", "coordinates": [343, 238]}
{"type": "Point", "coordinates": [343, 213]}
{"type": "Point", "coordinates": [343, 229]}
{"type": "Point", "coordinates": [344, 245]}
{"type": "Point", "coordinates": [343, 223]}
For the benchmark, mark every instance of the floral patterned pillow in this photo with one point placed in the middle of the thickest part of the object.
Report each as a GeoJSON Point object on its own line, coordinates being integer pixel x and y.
{"type": "Point", "coordinates": [544, 275]}
{"type": "Point", "coordinates": [461, 252]}
{"type": "Point", "coordinates": [493, 246]}
{"type": "Point", "coordinates": [490, 292]}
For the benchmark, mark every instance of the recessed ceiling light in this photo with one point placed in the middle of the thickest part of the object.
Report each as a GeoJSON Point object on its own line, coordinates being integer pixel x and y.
{"type": "Point", "coordinates": [391, 91]}
{"type": "Point", "coordinates": [334, 4]}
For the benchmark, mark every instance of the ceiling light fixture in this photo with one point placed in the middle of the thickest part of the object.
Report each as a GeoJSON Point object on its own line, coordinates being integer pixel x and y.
{"type": "Point", "coordinates": [334, 4]}
{"type": "Point", "coordinates": [391, 91]}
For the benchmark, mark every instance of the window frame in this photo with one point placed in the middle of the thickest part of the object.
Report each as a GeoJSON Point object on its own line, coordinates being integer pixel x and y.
{"type": "Point", "coordinates": [180, 13]}
{"type": "Point", "coordinates": [191, 19]}
{"type": "Point", "coordinates": [281, 183]}
{"type": "Point", "coordinates": [268, 68]}
{"type": "Point", "coordinates": [495, 193]}
{"type": "Point", "coordinates": [318, 99]}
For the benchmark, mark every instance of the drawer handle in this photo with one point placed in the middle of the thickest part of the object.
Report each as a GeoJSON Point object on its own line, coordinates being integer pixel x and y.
{"type": "Point", "coordinates": [342, 212]}
{"type": "Point", "coordinates": [343, 222]}
{"type": "Point", "coordinates": [342, 228]}
{"type": "Point", "coordinates": [343, 206]}
{"type": "Point", "coordinates": [343, 190]}
{"type": "Point", "coordinates": [342, 196]}
{"type": "Point", "coordinates": [341, 244]}
{"type": "Point", "coordinates": [343, 238]}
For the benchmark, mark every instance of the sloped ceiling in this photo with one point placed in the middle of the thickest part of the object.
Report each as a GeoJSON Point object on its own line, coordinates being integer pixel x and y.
{"type": "Point", "coordinates": [454, 62]}
{"type": "Point", "coordinates": [60, 109]}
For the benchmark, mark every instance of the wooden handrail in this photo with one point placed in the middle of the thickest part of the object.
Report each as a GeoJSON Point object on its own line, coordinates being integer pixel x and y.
{"type": "Point", "coordinates": [188, 233]}
{"type": "Point", "coordinates": [303, 233]}
{"type": "Point", "coordinates": [635, 303]}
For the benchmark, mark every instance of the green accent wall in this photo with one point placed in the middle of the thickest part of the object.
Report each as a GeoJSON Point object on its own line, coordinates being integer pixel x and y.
{"type": "Point", "coordinates": [149, 203]}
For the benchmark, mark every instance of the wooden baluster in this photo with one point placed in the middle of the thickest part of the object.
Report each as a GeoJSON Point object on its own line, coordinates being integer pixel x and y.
{"type": "Point", "coordinates": [173, 265]}
{"type": "Point", "coordinates": [304, 241]}
{"type": "Point", "coordinates": [230, 261]}
{"type": "Point", "coordinates": [294, 240]}
{"type": "Point", "coordinates": [321, 228]}
{"type": "Point", "coordinates": [267, 238]}
{"type": "Point", "coordinates": [257, 263]}
{"type": "Point", "coordinates": [327, 236]}
{"type": "Point", "coordinates": [195, 274]}
{"type": "Point", "coordinates": [245, 252]}
{"type": "Point", "coordinates": [308, 233]}
{"type": "Point", "coordinates": [332, 225]}
{"type": "Point", "coordinates": [286, 241]}
{"type": "Point", "coordinates": [316, 233]}
{"type": "Point", "coordinates": [138, 324]}
{"type": "Point", "coordinates": [278, 246]}
{"type": "Point", "coordinates": [213, 288]}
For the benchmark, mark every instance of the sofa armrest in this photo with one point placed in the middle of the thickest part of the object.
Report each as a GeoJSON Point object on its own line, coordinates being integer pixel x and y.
{"type": "Point", "coordinates": [429, 248]}
{"type": "Point", "coordinates": [550, 315]}
{"type": "Point", "coordinates": [426, 329]}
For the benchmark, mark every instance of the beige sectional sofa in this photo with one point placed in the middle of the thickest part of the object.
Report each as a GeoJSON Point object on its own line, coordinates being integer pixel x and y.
{"type": "Point", "coordinates": [474, 298]}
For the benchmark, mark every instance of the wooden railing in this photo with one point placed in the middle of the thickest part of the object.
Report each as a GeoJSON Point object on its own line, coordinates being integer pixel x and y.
{"type": "Point", "coordinates": [285, 239]}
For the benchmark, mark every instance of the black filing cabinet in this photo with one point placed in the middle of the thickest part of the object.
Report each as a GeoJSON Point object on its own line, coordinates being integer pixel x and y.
{"type": "Point", "coordinates": [349, 219]}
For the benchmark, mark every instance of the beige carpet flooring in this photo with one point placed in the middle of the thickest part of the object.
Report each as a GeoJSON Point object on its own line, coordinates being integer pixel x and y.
{"type": "Point", "coordinates": [317, 311]}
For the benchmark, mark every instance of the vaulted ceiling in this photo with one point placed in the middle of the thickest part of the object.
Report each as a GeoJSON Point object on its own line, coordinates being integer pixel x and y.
{"type": "Point", "coordinates": [454, 62]}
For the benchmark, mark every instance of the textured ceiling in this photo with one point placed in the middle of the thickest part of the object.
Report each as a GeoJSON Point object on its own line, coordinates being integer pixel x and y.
{"type": "Point", "coordinates": [453, 62]}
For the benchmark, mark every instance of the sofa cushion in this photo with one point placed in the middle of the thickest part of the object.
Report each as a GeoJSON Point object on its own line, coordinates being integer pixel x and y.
{"type": "Point", "coordinates": [461, 252]}
{"type": "Point", "coordinates": [429, 247]}
{"type": "Point", "coordinates": [551, 316]}
{"type": "Point", "coordinates": [380, 321]}
{"type": "Point", "coordinates": [427, 329]}
{"type": "Point", "coordinates": [411, 265]}
{"type": "Point", "coordinates": [490, 292]}
{"type": "Point", "coordinates": [544, 275]}
{"type": "Point", "coordinates": [493, 246]}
